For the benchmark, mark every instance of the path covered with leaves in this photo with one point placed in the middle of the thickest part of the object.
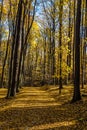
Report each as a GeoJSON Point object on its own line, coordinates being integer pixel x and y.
{"type": "Point", "coordinates": [42, 108]}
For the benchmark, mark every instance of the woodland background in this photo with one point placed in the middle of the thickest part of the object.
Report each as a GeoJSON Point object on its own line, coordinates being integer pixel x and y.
{"type": "Point", "coordinates": [43, 64]}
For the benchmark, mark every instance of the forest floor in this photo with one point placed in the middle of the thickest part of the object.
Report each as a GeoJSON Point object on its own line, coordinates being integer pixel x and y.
{"type": "Point", "coordinates": [42, 108]}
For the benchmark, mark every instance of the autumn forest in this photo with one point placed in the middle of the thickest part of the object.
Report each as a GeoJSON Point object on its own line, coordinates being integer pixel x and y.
{"type": "Point", "coordinates": [43, 64]}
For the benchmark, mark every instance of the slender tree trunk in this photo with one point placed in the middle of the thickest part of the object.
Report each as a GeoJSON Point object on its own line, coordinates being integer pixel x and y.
{"type": "Point", "coordinates": [60, 45]}
{"type": "Point", "coordinates": [74, 10]}
{"type": "Point", "coordinates": [76, 94]}
{"type": "Point", "coordinates": [69, 43]}
{"type": "Point", "coordinates": [44, 64]}
{"type": "Point", "coordinates": [21, 51]}
{"type": "Point", "coordinates": [19, 66]}
{"type": "Point", "coordinates": [11, 64]}
{"type": "Point", "coordinates": [53, 41]}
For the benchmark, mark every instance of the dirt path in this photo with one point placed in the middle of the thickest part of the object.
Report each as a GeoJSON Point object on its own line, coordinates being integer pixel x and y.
{"type": "Point", "coordinates": [38, 109]}
{"type": "Point", "coordinates": [34, 97]}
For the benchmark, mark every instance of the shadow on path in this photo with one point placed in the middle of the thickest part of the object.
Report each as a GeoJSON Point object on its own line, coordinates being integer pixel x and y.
{"type": "Point", "coordinates": [36, 109]}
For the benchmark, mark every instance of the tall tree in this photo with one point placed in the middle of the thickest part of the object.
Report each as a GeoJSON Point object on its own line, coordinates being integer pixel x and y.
{"type": "Point", "coordinates": [23, 24]}
{"type": "Point", "coordinates": [16, 43]}
{"type": "Point", "coordinates": [14, 52]}
{"type": "Point", "coordinates": [53, 38]}
{"type": "Point", "coordinates": [70, 36]}
{"type": "Point", "coordinates": [60, 44]}
{"type": "Point", "coordinates": [77, 95]}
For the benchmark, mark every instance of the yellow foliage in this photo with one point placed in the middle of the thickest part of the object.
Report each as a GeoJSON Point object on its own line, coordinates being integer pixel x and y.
{"type": "Point", "coordinates": [34, 34]}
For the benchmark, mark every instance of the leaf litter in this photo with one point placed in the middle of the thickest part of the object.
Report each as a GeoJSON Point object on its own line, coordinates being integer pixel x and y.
{"type": "Point", "coordinates": [42, 108]}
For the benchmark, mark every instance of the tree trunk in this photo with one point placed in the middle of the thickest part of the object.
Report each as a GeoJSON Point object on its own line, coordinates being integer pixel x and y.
{"type": "Point", "coordinates": [60, 45]}
{"type": "Point", "coordinates": [76, 94]}
{"type": "Point", "coordinates": [15, 57]}
{"type": "Point", "coordinates": [69, 43]}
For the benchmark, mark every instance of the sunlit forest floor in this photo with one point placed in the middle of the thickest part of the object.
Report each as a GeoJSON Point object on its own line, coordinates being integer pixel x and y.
{"type": "Point", "coordinates": [42, 108]}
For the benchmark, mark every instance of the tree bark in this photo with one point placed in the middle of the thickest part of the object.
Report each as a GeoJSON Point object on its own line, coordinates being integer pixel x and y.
{"type": "Point", "coordinates": [60, 46]}
{"type": "Point", "coordinates": [76, 94]}
{"type": "Point", "coordinates": [16, 46]}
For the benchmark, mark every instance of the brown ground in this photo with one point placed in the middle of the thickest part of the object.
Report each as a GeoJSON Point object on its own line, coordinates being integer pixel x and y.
{"type": "Point", "coordinates": [42, 109]}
